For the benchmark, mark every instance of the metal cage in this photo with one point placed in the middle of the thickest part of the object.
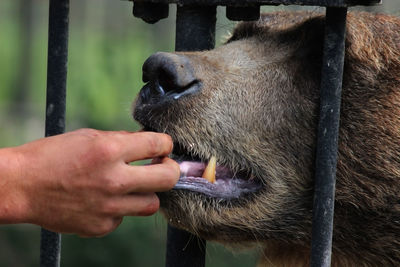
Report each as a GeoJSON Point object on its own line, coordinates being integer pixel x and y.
{"type": "Point", "coordinates": [195, 30]}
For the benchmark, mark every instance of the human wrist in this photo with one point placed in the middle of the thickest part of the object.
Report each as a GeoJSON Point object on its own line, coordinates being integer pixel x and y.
{"type": "Point", "coordinates": [13, 200]}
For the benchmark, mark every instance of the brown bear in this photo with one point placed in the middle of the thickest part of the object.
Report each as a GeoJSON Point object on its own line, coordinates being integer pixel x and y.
{"type": "Point", "coordinates": [244, 116]}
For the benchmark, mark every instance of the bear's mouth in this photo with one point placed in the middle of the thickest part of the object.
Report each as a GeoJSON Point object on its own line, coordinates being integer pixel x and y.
{"type": "Point", "coordinates": [210, 178]}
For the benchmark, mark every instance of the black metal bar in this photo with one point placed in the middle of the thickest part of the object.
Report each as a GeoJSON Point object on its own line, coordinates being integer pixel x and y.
{"type": "Point", "coordinates": [244, 3]}
{"type": "Point", "coordinates": [50, 249]}
{"type": "Point", "coordinates": [328, 132]}
{"type": "Point", "coordinates": [195, 30]}
{"type": "Point", "coordinates": [184, 249]}
{"type": "Point", "coordinates": [248, 13]}
{"type": "Point", "coordinates": [150, 12]}
{"type": "Point", "coordinates": [50, 246]}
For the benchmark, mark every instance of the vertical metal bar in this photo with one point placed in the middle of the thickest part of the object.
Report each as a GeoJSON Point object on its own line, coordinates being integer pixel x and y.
{"type": "Point", "coordinates": [184, 249]}
{"type": "Point", "coordinates": [195, 30]}
{"type": "Point", "coordinates": [328, 131]}
{"type": "Point", "coordinates": [50, 245]}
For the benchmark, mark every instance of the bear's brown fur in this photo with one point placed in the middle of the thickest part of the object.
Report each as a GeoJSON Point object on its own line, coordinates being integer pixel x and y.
{"type": "Point", "coordinates": [257, 111]}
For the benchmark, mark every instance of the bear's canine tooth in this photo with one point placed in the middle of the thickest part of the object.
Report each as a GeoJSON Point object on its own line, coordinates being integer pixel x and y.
{"type": "Point", "coordinates": [209, 171]}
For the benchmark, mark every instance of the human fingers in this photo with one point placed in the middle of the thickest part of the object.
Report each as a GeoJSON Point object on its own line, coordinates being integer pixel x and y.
{"type": "Point", "coordinates": [102, 228]}
{"type": "Point", "coordinates": [151, 178]}
{"type": "Point", "coordinates": [113, 210]}
{"type": "Point", "coordinates": [145, 145]}
{"type": "Point", "coordinates": [135, 204]}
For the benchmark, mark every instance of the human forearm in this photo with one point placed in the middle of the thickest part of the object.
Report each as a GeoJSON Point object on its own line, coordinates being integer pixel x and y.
{"type": "Point", "coordinates": [13, 201]}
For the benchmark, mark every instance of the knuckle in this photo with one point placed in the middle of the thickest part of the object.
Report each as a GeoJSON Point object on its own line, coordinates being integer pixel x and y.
{"type": "Point", "coordinates": [109, 208]}
{"type": "Point", "coordinates": [88, 132]}
{"type": "Point", "coordinates": [113, 187]}
{"type": "Point", "coordinates": [106, 149]}
{"type": "Point", "coordinates": [154, 145]}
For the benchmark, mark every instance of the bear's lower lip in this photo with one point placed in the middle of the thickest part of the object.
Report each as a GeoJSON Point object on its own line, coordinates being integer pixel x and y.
{"type": "Point", "coordinates": [227, 185]}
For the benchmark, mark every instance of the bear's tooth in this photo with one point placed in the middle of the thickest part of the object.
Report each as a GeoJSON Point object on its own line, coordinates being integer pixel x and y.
{"type": "Point", "coordinates": [209, 171]}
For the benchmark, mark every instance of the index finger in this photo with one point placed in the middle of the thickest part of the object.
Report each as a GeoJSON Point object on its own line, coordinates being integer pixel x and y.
{"type": "Point", "coordinates": [145, 145]}
{"type": "Point", "coordinates": [150, 178]}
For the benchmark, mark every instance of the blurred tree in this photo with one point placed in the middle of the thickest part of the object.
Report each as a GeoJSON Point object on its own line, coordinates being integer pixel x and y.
{"type": "Point", "coordinates": [22, 83]}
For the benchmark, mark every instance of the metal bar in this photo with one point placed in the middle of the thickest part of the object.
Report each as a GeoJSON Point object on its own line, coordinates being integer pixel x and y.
{"type": "Point", "coordinates": [50, 245]}
{"type": "Point", "coordinates": [248, 13]}
{"type": "Point", "coordinates": [150, 12]}
{"type": "Point", "coordinates": [244, 3]}
{"type": "Point", "coordinates": [328, 132]}
{"type": "Point", "coordinates": [195, 30]}
{"type": "Point", "coordinates": [184, 249]}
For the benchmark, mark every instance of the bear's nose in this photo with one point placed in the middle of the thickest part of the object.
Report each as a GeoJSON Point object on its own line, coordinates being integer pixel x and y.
{"type": "Point", "coordinates": [168, 77]}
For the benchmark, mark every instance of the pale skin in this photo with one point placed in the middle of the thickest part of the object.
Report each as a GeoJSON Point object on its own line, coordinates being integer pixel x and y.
{"type": "Point", "coordinates": [81, 182]}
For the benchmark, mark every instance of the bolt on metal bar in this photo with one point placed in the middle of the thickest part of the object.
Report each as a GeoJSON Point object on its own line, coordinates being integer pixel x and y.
{"type": "Point", "coordinates": [195, 30]}
{"type": "Point", "coordinates": [327, 140]}
{"type": "Point", "coordinates": [50, 245]}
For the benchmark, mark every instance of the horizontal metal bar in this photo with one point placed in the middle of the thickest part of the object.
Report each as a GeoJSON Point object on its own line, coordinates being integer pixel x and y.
{"type": "Point", "coordinates": [242, 3]}
{"type": "Point", "coordinates": [243, 13]}
{"type": "Point", "coordinates": [327, 140]}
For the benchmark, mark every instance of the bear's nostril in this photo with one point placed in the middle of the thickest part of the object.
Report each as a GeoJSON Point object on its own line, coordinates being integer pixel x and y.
{"type": "Point", "coordinates": [167, 81]}
{"type": "Point", "coordinates": [145, 76]}
{"type": "Point", "coordinates": [168, 76]}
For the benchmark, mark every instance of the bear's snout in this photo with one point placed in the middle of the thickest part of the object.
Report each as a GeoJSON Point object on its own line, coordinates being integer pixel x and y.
{"type": "Point", "coordinates": [168, 77]}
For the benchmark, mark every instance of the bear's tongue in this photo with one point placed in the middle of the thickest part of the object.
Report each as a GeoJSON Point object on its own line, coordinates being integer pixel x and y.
{"type": "Point", "coordinates": [210, 172]}
{"type": "Point", "coordinates": [198, 169]}
{"type": "Point", "coordinates": [214, 180]}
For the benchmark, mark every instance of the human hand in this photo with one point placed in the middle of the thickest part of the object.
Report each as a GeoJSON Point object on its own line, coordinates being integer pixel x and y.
{"type": "Point", "coordinates": [80, 182]}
